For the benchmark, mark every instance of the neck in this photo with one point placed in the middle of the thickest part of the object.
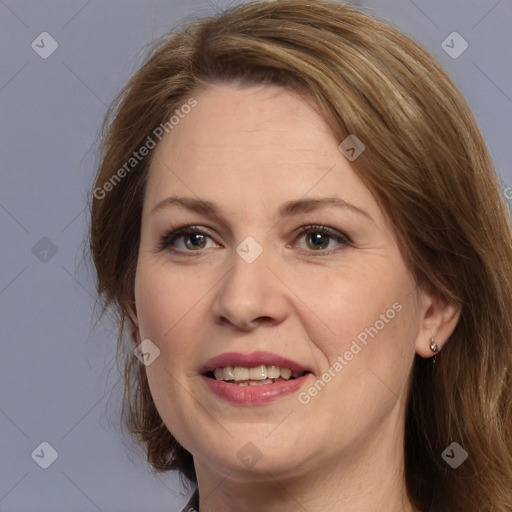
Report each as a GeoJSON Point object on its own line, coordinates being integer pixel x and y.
{"type": "Point", "coordinates": [363, 478]}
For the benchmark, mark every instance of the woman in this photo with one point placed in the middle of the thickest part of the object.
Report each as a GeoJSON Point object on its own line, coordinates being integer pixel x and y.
{"type": "Point", "coordinates": [298, 220]}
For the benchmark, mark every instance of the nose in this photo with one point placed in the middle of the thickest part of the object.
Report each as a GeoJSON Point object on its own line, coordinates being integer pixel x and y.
{"type": "Point", "coordinates": [251, 295]}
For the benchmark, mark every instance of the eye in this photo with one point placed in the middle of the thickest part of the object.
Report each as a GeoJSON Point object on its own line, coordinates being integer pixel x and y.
{"type": "Point", "coordinates": [193, 239]}
{"type": "Point", "coordinates": [322, 239]}
{"type": "Point", "coordinates": [185, 239]}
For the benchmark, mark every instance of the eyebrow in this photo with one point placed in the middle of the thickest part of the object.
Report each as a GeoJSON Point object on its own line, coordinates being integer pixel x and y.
{"type": "Point", "coordinates": [289, 208]}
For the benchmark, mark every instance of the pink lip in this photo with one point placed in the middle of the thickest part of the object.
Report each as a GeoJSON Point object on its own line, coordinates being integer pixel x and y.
{"type": "Point", "coordinates": [252, 395]}
{"type": "Point", "coordinates": [250, 361]}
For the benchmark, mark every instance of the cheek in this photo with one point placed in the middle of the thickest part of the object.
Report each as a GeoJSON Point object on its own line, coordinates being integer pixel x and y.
{"type": "Point", "coordinates": [356, 305]}
{"type": "Point", "coordinates": [172, 308]}
{"type": "Point", "coordinates": [167, 311]}
{"type": "Point", "coordinates": [163, 298]}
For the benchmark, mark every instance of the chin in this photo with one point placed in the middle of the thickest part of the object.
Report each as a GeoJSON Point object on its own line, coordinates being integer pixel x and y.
{"type": "Point", "coordinates": [246, 460]}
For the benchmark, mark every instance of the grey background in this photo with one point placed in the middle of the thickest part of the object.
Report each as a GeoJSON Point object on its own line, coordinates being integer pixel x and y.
{"type": "Point", "coordinates": [57, 379]}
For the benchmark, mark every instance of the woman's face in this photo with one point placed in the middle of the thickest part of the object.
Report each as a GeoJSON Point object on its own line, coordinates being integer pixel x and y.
{"type": "Point", "coordinates": [285, 252]}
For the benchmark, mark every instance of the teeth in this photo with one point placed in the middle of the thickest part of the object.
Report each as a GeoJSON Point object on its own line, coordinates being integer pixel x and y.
{"type": "Point", "coordinates": [228, 373]}
{"type": "Point", "coordinates": [260, 382]}
{"type": "Point", "coordinates": [261, 374]}
{"type": "Point", "coordinates": [286, 373]}
{"type": "Point", "coordinates": [258, 372]}
{"type": "Point", "coordinates": [273, 372]}
{"type": "Point", "coordinates": [240, 373]}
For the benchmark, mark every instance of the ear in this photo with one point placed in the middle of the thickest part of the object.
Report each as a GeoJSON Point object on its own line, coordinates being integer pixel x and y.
{"type": "Point", "coordinates": [439, 318]}
{"type": "Point", "coordinates": [131, 310]}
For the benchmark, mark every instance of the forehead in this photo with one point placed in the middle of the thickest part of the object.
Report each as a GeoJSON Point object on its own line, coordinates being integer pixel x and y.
{"type": "Point", "coordinates": [266, 119]}
{"type": "Point", "coordinates": [254, 144]}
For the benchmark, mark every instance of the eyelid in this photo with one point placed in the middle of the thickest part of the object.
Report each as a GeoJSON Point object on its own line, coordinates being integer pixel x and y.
{"type": "Point", "coordinates": [165, 242]}
{"type": "Point", "coordinates": [174, 233]}
{"type": "Point", "coordinates": [343, 239]}
{"type": "Point", "coordinates": [323, 229]}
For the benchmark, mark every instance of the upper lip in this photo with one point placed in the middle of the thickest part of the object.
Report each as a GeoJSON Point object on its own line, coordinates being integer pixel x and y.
{"type": "Point", "coordinates": [251, 360]}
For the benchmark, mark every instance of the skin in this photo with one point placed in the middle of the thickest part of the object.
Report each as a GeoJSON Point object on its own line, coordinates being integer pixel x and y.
{"type": "Point", "coordinates": [249, 150]}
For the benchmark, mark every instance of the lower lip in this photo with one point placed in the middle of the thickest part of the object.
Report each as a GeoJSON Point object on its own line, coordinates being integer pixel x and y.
{"type": "Point", "coordinates": [253, 395]}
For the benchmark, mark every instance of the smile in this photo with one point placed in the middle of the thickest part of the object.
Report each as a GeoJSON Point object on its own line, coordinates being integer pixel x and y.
{"type": "Point", "coordinates": [253, 379]}
{"type": "Point", "coordinates": [256, 376]}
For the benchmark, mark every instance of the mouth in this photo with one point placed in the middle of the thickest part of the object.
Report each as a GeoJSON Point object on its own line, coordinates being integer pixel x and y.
{"type": "Point", "coordinates": [259, 375]}
{"type": "Point", "coordinates": [253, 379]}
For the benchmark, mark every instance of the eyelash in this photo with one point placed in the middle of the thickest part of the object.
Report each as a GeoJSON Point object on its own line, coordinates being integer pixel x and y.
{"type": "Point", "coordinates": [167, 240]}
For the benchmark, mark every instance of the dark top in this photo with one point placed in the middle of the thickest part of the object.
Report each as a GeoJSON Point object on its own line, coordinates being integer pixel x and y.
{"type": "Point", "coordinates": [193, 503]}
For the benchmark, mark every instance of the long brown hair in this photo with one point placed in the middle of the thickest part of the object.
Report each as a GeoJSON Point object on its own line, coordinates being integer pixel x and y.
{"type": "Point", "coordinates": [428, 167]}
